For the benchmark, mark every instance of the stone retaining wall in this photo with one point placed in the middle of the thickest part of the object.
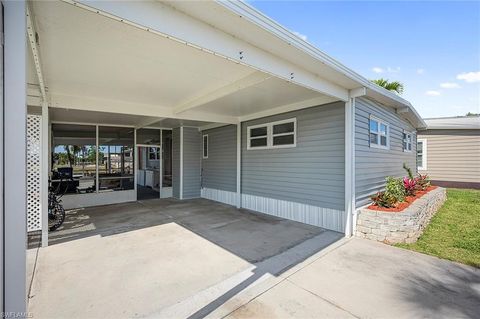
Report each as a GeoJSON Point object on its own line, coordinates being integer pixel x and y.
{"type": "Point", "coordinates": [402, 227]}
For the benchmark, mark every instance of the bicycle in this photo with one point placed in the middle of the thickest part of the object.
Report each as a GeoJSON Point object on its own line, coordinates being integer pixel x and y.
{"type": "Point", "coordinates": [56, 212]}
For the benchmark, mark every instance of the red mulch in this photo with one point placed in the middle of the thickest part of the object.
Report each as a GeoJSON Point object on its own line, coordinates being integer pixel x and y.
{"type": "Point", "coordinates": [403, 205]}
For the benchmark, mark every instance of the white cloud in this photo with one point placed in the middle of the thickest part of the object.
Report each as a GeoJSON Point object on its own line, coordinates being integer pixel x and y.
{"type": "Point", "coordinates": [301, 36]}
{"type": "Point", "coordinates": [379, 70]}
{"type": "Point", "coordinates": [393, 70]}
{"type": "Point", "coordinates": [450, 85]}
{"type": "Point", "coordinates": [432, 93]}
{"type": "Point", "coordinates": [420, 71]}
{"type": "Point", "coordinates": [469, 77]}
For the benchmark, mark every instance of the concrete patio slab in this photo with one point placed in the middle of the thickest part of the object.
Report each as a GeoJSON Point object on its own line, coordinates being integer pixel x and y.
{"type": "Point", "coordinates": [135, 259]}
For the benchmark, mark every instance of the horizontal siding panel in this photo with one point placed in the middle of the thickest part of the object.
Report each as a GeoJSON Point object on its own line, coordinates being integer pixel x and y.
{"type": "Point", "coordinates": [176, 162]}
{"type": "Point", "coordinates": [453, 155]}
{"type": "Point", "coordinates": [191, 162]}
{"type": "Point", "coordinates": [312, 172]}
{"type": "Point", "coordinates": [373, 165]}
{"type": "Point", "coordinates": [219, 170]}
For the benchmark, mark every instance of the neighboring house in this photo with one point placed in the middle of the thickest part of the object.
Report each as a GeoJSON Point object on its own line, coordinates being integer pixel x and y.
{"type": "Point", "coordinates": [449, 151]}
{"type": "Point", "coordinates": [243, 111]}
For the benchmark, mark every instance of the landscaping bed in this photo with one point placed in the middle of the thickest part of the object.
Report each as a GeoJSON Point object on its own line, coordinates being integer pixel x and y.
{"type": "Point", "coordinates": [401, 206]}
{"type": "Point", "coordinates": [404, 226]}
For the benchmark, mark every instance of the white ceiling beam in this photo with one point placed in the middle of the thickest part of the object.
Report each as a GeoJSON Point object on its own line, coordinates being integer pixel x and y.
{"type": "Point", "coordinates": [32, 39]}
{"type": "Point", "coordinates": [358, 92]}
{"type": "Point", "coordinates": [122, 107]}
{"type": "Point", "coordinates": [165, 21]}
{"type": "Point", "coordinates": [149, 121]}
{"type": "Point", "coordinates": [243, 83]}
{"type": "Point", "coordinates": [289, 107]}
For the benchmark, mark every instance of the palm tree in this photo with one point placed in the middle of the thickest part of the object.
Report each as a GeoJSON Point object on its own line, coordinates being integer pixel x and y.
{"type": "Point", "coordinates": [391, 86]}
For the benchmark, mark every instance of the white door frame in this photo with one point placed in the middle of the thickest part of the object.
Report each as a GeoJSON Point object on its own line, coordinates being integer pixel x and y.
{"type": "Point", "coordinates": [137, 148]}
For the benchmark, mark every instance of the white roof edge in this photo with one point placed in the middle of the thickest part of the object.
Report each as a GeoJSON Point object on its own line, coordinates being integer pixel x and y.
{"type": "Point", "coordinates": [253, 15]}
{"type": "Point", "coordinates": [453, 123]}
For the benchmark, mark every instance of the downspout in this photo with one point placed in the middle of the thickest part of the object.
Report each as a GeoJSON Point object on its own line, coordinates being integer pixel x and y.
{"type": "Point", "coordinates": [349, 158]}
{"type": "Point", "coordinates": [350, 193]}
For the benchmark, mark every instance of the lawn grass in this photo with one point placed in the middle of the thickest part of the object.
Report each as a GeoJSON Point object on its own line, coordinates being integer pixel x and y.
{"type": "Point", "coordinates": [454, 232]}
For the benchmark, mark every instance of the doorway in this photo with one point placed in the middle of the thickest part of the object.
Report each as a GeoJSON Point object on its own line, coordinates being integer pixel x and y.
{"type": "Point", "coordinates": [154, 170]}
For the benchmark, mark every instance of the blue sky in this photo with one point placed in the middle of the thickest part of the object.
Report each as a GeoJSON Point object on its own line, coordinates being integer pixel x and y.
{"type": "Point", "coordinates": [433, 47]}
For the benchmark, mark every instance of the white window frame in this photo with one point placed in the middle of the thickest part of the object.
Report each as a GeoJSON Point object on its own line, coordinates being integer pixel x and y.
{"type": "Point", "coordinates": [203, 146]}
{"type": "Point", "coordinates": [378, 132]}
{"type": "Point", "coordinates": [270, 135]}
{"type": "Point", "coordinates": [424, 154]}
{"type": "Point", "coordinates": [407, 134]}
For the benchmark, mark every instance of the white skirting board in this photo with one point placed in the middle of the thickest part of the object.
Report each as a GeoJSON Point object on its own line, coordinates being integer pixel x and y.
{"type": "Point", "coordinates": [313, 215]}
{"type": "Point", "coordinates": [217, 195]}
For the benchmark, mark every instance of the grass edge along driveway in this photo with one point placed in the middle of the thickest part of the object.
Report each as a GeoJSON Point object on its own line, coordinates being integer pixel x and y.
{"type": "Point", "coordinates": [454, 231]}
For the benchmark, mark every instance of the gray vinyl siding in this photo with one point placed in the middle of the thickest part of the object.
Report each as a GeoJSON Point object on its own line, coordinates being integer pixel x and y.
{"type": "Point", "coordinates": [312, 172]}
{"type": "Point", "coordinates": [373, 165]}
{"type": "Point", "coordinates": [452, 155]}
{"type": "Point", "coordinates": [219, 170]}
{"type": "Point", "coordinates": [176, 162]}
{"type": "Point", "coordinates": [192, 144]}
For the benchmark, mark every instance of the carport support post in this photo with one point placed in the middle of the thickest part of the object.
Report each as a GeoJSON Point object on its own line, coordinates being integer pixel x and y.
{"type": "Point", "coordinates": [349, 166]}
{"type": "Point", "coordinates": [181, 162]}
{"type": "Point", "coordinates": [14, 164]}
{"type": "Point", "coordinates": [239, 165]}
{"type": "Point", "coordinates": [44, 174]}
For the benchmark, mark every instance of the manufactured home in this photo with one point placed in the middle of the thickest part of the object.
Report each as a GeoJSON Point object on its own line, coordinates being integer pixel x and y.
{"type": "Point", "coordinates": [123, 101]}
{"type": "Point", "coordinates": [449, 151]}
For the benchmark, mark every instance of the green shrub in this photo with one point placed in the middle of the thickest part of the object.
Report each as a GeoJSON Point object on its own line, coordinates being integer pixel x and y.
{"type": "Point", "coordinates": [382, 199]}
{"type": "Point", "coordinates": [408, 170]}
{"type": "Point", "coordinates": [423, 182]}
{"type": "Point", "coordinates": [393, 194]}
{"type": "Point", "coordinates": [395, 189]}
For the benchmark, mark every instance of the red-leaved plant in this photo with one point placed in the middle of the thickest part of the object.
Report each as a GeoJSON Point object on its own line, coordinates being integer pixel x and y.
{"type": "Point", "coordinates": [423, 182]}
{"type": "Point", "coordinates": [410, 186]}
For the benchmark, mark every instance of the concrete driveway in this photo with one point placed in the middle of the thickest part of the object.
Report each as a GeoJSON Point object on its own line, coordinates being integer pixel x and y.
{"type": "Point", "coordinates": [137, 259]}
{"type": "Point", "coordinates": [195, 259]}
{"type": "Point", "coordinates": [363, 279]}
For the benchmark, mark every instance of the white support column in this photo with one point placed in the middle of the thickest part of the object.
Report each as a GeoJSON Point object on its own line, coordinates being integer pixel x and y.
{"type": "Point", "coordinates": [349, 166]}
{"type": "Point", "coordinates": [44, 163]}
{"type": "Point", "coordinates": [14, 147]}
{"type": "Point", "coordinates": [181, 162]}
{"type": "Point", "coordinates": [135, 163]}
{"type": "Point", "coordinates": [239, 165]}
{"type": "Point", "coordinates": [97, 178]}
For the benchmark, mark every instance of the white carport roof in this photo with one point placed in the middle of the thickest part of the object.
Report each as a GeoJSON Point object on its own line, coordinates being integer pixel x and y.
{"type": "Point", "coordinates": [205, 61]}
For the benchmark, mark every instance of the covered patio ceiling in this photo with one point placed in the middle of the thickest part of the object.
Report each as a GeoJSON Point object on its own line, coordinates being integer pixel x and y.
{"type": "Point", "coordinates": [91, 62]}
